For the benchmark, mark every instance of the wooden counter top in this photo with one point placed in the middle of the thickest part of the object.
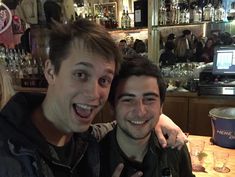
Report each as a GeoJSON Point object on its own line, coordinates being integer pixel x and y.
{"type": "Point", "coordinates": [208, 163]}
{"type": "Point", "coordinates": [29, 89]}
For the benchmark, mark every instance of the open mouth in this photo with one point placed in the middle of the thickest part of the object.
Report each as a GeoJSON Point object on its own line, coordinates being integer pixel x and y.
{"type": "Point", "coordinates": [83, 111]}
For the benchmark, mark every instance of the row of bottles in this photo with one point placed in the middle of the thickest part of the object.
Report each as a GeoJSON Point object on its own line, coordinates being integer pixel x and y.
{"type": "Point", "coordinates": [172, 12]}
{"type": "Point", "coordinates": [22, 67]}
{"type": "Point", "coordinates": [125, 20]}
{"type": "Point", "coordinates": [106, 14]}
{"type": "Point", "coordinates": [101, 15]}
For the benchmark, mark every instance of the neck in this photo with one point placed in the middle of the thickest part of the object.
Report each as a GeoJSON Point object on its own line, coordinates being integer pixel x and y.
{"type": "Point", "coordinates": [52, 134]}
{"type": "Point", "coordinates": [134, 149]}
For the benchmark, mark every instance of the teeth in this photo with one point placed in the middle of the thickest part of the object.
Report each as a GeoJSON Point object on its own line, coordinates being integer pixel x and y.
{"type": "Point", "coordinates": [137, 122]}
{"type": "Point", "coordinates": [84, 106]}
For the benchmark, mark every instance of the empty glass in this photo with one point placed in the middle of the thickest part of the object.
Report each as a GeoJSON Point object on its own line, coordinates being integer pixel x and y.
{"type": "Point", "coordinates": [197, 156]}
{"type": "Point", "coordinates": [220, 161]}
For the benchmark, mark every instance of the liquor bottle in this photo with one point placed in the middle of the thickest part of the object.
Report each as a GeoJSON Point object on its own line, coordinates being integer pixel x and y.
{"type": "Point", "coordinates": [197, 15]}
{"type": "Point", "coordinates": [35, 68]}
{"type": "Point", "coordinates": [90, 16]}
{"type": "Point", "coordinates": [219, 13]}
{"type": "Point", "coordinates": [177, 20]}
{"type": "Point", "coordinates": [123, 20]}
{"type": "Point", "coordinates": [29, 67]}
{"type": "Point", "coordinates": [208, 12]}
{"type": "Point", "coordinates": [162, 14]}
{"type": "Point", "coordinates": [127, 20]}
{"type": "Point", "coordinates": [186, 16]}
{"type": "Point", "coordinates": [173, 13]}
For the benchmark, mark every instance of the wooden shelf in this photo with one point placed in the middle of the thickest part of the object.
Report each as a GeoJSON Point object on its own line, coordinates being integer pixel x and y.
{"type": "Point", "coordinates": [130, 30]}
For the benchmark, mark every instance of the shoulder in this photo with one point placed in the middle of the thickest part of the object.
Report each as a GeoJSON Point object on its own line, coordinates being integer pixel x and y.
{"type": "Point", "coordinates": [180, 161]}
{"type": "Point", "coordinates": [178, 155]}
{"type": "Point", "coordinates": [108, 139]}
{"type": "Point", "coordinates": [8, 162]}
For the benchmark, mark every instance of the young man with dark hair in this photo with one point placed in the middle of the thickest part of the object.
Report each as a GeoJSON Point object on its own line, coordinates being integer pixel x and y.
{"type": "Point", "coordinates": [137, 96]}
{"type": "Point", "coordinates": [50, 134]}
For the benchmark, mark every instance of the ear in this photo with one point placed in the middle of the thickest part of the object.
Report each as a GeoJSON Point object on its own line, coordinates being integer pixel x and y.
{"type": "Point", "coordinates": [49, 72]}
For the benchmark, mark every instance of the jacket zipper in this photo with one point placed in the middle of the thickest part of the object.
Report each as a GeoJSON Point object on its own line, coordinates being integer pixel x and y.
{"type": "Point", "coordinates": [71, 170]}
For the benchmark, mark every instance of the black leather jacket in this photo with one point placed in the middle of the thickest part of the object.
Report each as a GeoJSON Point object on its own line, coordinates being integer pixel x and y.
{"type": "Point", "coordinates": [155, 161]}
{"type": "Point", "coordinates": [25, 153]}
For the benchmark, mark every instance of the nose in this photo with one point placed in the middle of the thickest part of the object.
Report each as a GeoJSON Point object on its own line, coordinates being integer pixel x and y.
{"type": "Point", "coordinates": [93, 90]}
{"type": "Point", "coordinates": [140, 108]}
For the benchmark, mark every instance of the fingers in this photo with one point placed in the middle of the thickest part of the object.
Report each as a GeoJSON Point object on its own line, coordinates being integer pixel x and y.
{"type": "Point", "coordinates": [172, 136]}
{"type": "Point", "coordinates": [118, 170]}
{"type": "Point", "coordinates": [181, 140]}
{"type": "Point", "coordinates": [178, 140]}
{"type": "Point", "coordinates": [137, 174]}
{"type": "Point", "coordinates": [161, 138]}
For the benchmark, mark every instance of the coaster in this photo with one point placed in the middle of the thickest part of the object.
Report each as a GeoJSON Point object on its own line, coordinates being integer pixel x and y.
{"type": "Point", "coordinates": [222, 170]}
{"type": "Point", "coordinates": [198, 168]}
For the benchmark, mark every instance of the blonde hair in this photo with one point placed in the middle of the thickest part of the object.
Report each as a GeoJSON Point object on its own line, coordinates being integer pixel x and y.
{"type": "Point", "coordinates": [6, 88]}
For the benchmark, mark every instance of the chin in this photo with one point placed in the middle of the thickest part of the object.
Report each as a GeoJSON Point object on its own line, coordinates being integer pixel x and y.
{"type": "Point", "coordinates": [83, 129]}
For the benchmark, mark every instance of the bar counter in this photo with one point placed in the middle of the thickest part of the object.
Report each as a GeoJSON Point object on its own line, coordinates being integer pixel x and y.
{"type": "Point", "coordinates": [29, 89]}
{"type": "Point", "coordinates": [208, 163]}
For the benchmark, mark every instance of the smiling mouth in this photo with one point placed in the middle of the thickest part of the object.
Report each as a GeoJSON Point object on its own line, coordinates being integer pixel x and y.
{"type": "Point", "coordinates": [82, 110]}
{"type": "Point", "coordinates": [137, 122]}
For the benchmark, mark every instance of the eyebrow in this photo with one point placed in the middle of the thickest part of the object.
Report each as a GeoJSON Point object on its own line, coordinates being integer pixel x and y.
{"type": "Point", "coordinates": [151, 94]}
{"type": "Point", "coordinates": [89, 65]}
{"type": "Point", "coordinates": [133, 95]}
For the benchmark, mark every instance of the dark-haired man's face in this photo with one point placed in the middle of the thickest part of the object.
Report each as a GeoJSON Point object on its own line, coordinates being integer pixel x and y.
{"type": "Point", "coordinates": [137, 106]}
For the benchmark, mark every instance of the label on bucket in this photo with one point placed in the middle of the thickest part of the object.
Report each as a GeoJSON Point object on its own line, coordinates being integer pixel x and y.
{"type": "Point", "coordinates": [223, 132]}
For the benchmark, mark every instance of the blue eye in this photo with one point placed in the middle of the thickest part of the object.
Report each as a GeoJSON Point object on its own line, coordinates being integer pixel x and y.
{"type": "Point", "coordinates": [105, 81]}
{"type": "Point", "coordinates": [80, 75]}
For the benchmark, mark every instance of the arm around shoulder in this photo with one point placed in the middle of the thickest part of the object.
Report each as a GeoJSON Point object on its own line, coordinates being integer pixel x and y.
{"type": "Point", "coordinates": [99, 130]}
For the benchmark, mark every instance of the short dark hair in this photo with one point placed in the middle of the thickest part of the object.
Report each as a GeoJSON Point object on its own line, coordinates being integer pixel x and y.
{"type": "Point", "coordinates": [171, 36]}
{"type": "Point", "coordinates": [137, 66]}
{"type": "Point", "coordinates": [122, 40]}
{"type": "Point", "coordinates": [95, 38]}
{"type": "Point", "coordinates": [186, 32]}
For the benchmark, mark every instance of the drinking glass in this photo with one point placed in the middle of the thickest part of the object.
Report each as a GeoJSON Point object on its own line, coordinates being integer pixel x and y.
{"type": "Point", "coordinates": [197, 156]}
{"type": "Point", "coordinates": [220, 161]}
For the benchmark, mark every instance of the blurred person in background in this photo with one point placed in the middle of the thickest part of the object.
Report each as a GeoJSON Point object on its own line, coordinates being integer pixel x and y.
{"type": "Point", "coordinates": [198, 49]}
{"type": "Point", "coordinates": [226, 38]}
{"type": "Point", "coordinates": [125, 49]}
{"type": "Point", "coordinates": [171, 37]}
{"type": "Point", "coordinates": [184, 46]}
{"type": "Point", "coordinates": [168, 57]}
{"type": "Point", "coordinates": [181, 50]}
{"type": "Point", "coordinates": [208, 51]}
{"type": "Point", "coordinates": [140, 47]}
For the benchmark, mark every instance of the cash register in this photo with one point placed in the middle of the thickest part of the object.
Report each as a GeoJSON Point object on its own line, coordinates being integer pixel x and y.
{"type": "Point", "coordinates": [219, 78]}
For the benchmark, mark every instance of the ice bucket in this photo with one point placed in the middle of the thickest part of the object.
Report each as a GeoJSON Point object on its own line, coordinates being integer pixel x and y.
{"type": "Point", "coordinates": [223, 126]}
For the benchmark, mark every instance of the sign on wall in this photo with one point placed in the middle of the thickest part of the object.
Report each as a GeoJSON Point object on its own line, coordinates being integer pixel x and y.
{"type": "Point", "coordinates": [5, 17]}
